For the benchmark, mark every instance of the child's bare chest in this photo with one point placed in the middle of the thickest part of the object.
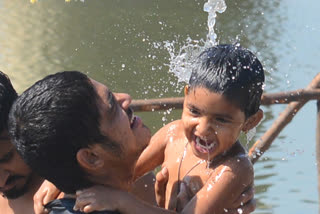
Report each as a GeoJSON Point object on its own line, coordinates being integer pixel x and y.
{"type": "Point", "coordinates": [184, 167]}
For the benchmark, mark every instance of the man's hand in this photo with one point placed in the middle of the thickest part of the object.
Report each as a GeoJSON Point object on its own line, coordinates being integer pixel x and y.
{"type": "Point", "coordinates": [160, 186]}
{"type": "Point", "coordinates": [46, 193]}
{"type": "Point", "coordinates": [245, 202]}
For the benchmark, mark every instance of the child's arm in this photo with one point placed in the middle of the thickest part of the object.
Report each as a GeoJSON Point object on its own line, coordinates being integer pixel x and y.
{"type": "Point", "coordinates": [153, 155]}
{"type": "Point", "coordinates": [222, 188]}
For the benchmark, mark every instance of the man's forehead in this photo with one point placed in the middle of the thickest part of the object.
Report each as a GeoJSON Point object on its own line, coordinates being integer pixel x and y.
{"type": "Point", "coordinates": [5, 147]}
{"type": "Point", "coordinates": [5, 142]}
{"type": "Point", "coordinates": [4, 136]}
{"type": "Point", "coordinates": [99, 85]}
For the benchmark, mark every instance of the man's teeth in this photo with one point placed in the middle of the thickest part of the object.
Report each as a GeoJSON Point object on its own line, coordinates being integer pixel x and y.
{"type": "Point", "coordinates": [208, 147]}
{"type": "Point", "coordinates": [132, 119]}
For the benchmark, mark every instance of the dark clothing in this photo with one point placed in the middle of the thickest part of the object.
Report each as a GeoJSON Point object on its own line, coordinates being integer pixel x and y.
{"type": "Point", "coordinates": [65, 206]}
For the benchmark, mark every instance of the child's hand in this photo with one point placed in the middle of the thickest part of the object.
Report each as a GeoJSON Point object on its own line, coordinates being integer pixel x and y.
{"type": "Point", "coordinates": [46, 193]}
{"type": "Point", "coordinates": [97, 198]}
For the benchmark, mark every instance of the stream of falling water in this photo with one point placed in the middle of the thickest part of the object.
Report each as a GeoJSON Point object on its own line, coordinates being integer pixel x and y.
{"type": "Point", "coordinates": [181, 61]}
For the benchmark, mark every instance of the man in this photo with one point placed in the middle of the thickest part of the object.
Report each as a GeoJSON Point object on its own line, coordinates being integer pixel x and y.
{"type": "Point", "coordinates": [74, 132]}
{"type": "Point", "coordinates": [17, 181]}
{"type": "Point", "coordinates": [81, 131]}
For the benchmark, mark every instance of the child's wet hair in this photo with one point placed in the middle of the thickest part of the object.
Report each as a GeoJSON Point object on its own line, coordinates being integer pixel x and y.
{"type": "Point", "coordinates": [233, 71]}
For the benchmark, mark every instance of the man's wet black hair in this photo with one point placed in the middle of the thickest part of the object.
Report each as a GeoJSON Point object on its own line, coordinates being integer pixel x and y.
{"type": "Point", "coordinates": [7, 97]}
{"type": "Point", "coordinates": [51, 121]}
{"type": "Point", "coordinates": [232, 71]}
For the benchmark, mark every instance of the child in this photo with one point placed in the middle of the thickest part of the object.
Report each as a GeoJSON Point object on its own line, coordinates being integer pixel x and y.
{"type": "Point", "coordinates": [202, 149]}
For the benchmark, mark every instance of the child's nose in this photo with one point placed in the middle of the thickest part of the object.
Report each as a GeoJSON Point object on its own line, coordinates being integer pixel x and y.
{"type": "Point", "coordinates": [205, 127]}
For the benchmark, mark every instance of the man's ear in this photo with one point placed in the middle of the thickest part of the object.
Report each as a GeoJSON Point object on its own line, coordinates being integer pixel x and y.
{"type": "Point", "coordinates": [253, 121]}
{"type": "Point", "coordinates": [186, 90]}
{"type": "Point", "coordinates": [89, 158]}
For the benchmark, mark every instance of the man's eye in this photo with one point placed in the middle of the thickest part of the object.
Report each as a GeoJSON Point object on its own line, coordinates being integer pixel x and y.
{"type": "Point", "coordinates": [194, 112]}
{"type": "Point", "coordinates": [111, 100]}
{"type": "Point", "coordinates": [6, 158]}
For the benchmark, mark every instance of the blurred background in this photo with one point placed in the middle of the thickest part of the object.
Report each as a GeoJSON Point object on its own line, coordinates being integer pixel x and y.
{"type": "Point", "coordinates": [121, 43]}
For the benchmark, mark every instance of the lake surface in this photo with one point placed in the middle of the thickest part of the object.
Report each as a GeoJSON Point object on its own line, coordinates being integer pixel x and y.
{"type": "Point", "coordinates": [121, 43]}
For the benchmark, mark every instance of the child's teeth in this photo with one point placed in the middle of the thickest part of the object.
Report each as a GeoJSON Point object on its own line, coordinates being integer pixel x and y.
{"type": "Point", "coordinates": [198, 140]}
{"type": "Point", "coordinates": [208, 147]}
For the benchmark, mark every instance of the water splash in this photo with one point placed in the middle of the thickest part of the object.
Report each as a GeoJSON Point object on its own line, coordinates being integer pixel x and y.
{"type": "Point", "coordinates": [182, 61]}
{"type": "Point", "coordinates": [212, 7]}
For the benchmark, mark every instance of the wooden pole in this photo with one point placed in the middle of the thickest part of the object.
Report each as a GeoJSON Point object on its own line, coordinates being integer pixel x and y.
{"type": "Point", "coordinates": [266, 99]}
{"type": "Point", "coordinates": [318, 149]}
{"type": "Point", "coordinates": [285, 117]}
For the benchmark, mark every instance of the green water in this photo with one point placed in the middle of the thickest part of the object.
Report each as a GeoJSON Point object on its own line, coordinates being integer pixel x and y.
{"type": "Point", "coordinates": [120, 43]}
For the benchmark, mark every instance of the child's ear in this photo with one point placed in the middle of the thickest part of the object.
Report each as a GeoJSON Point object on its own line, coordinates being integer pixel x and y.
{"type": "Point", "coordinates": [89, 158]}
{"type": "Point", "coordinates": [186, 90]}
{"type": "Point", "coordinates": [253, 121]}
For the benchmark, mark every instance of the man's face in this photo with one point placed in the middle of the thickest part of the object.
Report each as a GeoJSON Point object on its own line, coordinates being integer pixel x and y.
{"type": "Point", "coordinates": [15, 175]}
{"type": "Point", "coordinates": [119, 124]}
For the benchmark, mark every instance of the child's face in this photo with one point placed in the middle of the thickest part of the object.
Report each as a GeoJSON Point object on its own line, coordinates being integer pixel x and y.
{"type": "Point", "coordinates": [211, 123]}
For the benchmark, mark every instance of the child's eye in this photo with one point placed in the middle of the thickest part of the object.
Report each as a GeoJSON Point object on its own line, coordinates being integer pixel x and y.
{"type": "Point", "coordinates": [222, 120]}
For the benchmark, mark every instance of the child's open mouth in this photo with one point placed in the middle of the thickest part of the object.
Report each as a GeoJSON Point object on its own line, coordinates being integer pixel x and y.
{"type": "Point", "coordinates": [203, 145]}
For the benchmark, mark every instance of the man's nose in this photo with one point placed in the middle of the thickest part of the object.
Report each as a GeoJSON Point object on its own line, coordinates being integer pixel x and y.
{"type": "Point", "coordinates": [4, 175]}
{"type": "Point", "coordinates": [123, 99]}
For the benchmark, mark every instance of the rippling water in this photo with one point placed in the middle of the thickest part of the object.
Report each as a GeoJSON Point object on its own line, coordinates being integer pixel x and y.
{"type": "Point", "coordinates": [121, 43]}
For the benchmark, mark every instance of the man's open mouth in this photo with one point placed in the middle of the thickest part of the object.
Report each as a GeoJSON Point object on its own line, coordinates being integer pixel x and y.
{"type": "Point", "coordinates": [132, 120]}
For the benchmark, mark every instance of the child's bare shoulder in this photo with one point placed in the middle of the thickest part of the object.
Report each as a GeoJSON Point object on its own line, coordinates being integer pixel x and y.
{"type": "Point", "coordinates": [173, 129]}
{"type": "Point", "coordinates": [238, 164]}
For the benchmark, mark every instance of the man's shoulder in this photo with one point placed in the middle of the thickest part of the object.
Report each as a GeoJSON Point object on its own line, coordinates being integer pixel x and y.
{"type": "Point", "coordinates": [65, 206]}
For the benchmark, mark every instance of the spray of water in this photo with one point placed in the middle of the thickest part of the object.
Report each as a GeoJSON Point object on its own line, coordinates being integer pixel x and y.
{"type": "Point", "coordinates": [181, 61]}
{"type": "Point", "coordinates": [212, 7]}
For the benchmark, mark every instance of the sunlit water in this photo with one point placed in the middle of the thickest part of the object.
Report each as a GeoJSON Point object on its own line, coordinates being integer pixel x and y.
{"type": "Point", "coordinates": [122, 44]}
